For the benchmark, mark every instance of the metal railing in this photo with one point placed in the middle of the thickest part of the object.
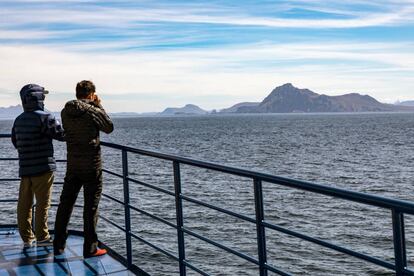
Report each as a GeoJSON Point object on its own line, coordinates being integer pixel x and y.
{"type": "Point", "coordinates": [397, 210]}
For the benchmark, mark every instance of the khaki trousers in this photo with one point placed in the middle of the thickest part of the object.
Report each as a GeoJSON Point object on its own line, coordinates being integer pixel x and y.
{"type": "Point", "coordinates": [41, 187]}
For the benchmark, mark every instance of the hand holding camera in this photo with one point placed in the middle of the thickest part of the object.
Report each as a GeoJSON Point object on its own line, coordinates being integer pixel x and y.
{"type": "Point", "coordinates": [96, 101]}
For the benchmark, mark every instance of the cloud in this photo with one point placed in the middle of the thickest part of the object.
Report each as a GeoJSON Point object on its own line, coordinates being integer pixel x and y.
{"type": "Point", "coordinates": [215, 78]}
{"type": "Point", "coordinates": [93, 14]}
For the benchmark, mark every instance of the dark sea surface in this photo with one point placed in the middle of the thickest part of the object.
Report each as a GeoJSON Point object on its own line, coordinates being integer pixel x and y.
{"type": "Point", "coordinates": [370, 153]}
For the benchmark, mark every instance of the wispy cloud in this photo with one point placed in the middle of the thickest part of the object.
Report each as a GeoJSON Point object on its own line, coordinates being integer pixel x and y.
{"type": "Point", "coordinates": [181, 24]}
{"type": "Point", "coordinates": [146, 24]}
{"type": "Point", "coordinates": [94, 13]}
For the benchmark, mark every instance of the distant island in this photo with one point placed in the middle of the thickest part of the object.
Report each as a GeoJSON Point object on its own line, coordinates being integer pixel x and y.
{"type": "Point", "coordinates": [290, 99]}
{"type": "Point", "coordinates": [241, 106]}
{"type": "Point", "coordinates": [283, 99]}
{"type": "Point", "coordinates": [189, 109]}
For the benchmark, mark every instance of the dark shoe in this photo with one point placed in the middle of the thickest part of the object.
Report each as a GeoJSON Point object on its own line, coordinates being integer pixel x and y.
{"type": "Point", "coordinates": [58, 251]}
{"type": "Point", "coordinates": [98, 252]}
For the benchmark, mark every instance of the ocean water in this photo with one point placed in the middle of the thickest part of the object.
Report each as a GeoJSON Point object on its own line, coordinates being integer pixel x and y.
{"type": "Point", "coordinates": [371, 153]}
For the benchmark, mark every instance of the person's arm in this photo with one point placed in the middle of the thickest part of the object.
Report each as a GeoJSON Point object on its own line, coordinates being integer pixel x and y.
{"type": "Point", "coordinates": [100, 117]}
{"type": "Point", "coordinates": [102, 120]}
{"type": "Point", "coordinates": [13, 137]}
{"type": "Point", "coordinates": [52, 128]}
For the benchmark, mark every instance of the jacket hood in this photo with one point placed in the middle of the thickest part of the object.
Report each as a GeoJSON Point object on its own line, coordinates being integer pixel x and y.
{"type": "Point", "coordinates": [77, 108]}
{"type": "Point", "coordinates": [33, 96]}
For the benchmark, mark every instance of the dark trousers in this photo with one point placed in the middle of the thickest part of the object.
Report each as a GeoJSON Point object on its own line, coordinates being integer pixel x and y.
{"type": "Point", "coordinates": [91, 182]}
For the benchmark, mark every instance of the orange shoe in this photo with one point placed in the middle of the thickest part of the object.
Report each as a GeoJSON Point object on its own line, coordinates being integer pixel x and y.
{"type": "Point", "coordinates": [98, 252]}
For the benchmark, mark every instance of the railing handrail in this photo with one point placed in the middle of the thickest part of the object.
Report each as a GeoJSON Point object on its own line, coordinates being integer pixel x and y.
{"type": "Point", "coordinates": [379, 201]}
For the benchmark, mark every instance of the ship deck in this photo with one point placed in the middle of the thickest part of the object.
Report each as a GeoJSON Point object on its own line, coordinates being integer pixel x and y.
{"type": "Point", "coordinates": [17, 260]}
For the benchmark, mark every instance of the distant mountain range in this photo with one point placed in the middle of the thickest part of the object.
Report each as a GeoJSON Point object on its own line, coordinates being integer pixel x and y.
{"type": "Point", "coordinates": [406, 103]}
{"type": "Point", "coordinates": [13, 111]}
{"type": "Point", "coordinates": [290, 99]}
{"type": "Point", "coordinates": [10, 112]}
{"type": "Point", "coordinates": [283, 99]}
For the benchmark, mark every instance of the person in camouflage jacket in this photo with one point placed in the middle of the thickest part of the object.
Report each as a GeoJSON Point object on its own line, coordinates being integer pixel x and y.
{"type": "Point", "coordinates": [83, 119]}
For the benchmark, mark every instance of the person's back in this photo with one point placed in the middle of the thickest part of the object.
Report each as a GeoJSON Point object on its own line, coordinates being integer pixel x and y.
{"type": "Point", "coordinates": [32, 135]}
{"type": "Point", "coordinates": [34, 148]}
{"type": "Point", "coordinates": [84, 118]}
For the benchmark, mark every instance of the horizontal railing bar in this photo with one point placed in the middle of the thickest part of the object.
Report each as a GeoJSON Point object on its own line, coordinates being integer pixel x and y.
{"type": "Point", "coordinates": [275, 270]}
{"type": "Point", "coordinates": [155, 247]}
{"type": "Point", "coordinates": [151, 186]}
{"type": "Point", "coordinates": [188, 264]}
{"type": "Point", "coordinates": [113, 199]}
{"type": "Point", "coordinates": [54, 204]}
{"type": "Point", "coordinates": [112, 223]}
{"type": "Point", "coordinates": [113, 173]}
{"type": "Point", "coordinates": [57, 205]}
{"type": "Point", "coordinates": [243, 217]}
{"type": "Point", "coordinates": [228, 249]}
{"type": "Point", "coordinates": [403, 206]}
{"type": "Point", "coordinates": [34, 205]}
{"type": "Point", "coordinates": [140, 182]}
{"type": "Point", "coordinates": [331, 246]}
{"type": "Point", "coordinates": [18, 179]}
{"type": "Point", "coordinates": [7, 226]}
{"type": "Point", "coordinates": [153, 216]}
{"type": "Point", "coordinates": [17, 159]}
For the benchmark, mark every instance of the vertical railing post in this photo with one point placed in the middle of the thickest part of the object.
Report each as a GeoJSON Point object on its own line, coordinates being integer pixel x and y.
{"type": "Point", "coordinates": [127, 209]}
{"type": "Point", "coordinates": [179, 215]}
{"type": "Point", "coordinates": [261, 235]}
{"type": "Point", "coordinates": [399, 242]}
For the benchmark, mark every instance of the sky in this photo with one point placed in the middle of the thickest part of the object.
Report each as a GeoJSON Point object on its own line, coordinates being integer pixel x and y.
{"type": "Point", "coordinates": [145, 56]}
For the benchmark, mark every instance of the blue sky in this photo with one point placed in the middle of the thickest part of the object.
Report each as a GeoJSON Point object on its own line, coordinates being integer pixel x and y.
{"type": "Point", "coordinates": [147, 55]}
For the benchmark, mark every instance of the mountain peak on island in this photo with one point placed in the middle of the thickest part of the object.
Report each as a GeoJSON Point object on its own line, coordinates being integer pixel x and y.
{"type": "Point", "coordinates": [191, 106]}
{"type": "Point", "coordinates": [288, 90]}
{"type": "Point", "coordinates": [288, 84]}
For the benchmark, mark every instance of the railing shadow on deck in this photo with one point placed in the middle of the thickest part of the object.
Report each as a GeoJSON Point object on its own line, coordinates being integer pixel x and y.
{"type": "Point", "coordinates": [397, 209]}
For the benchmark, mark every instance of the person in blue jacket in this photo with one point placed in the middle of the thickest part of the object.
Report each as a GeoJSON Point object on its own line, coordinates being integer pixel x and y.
{"type": "Point", "coordinates": [32, 135]}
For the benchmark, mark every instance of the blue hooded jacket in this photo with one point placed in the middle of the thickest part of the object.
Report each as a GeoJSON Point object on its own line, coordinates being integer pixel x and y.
{"type": "Point", "coordinates": [33, 132]}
